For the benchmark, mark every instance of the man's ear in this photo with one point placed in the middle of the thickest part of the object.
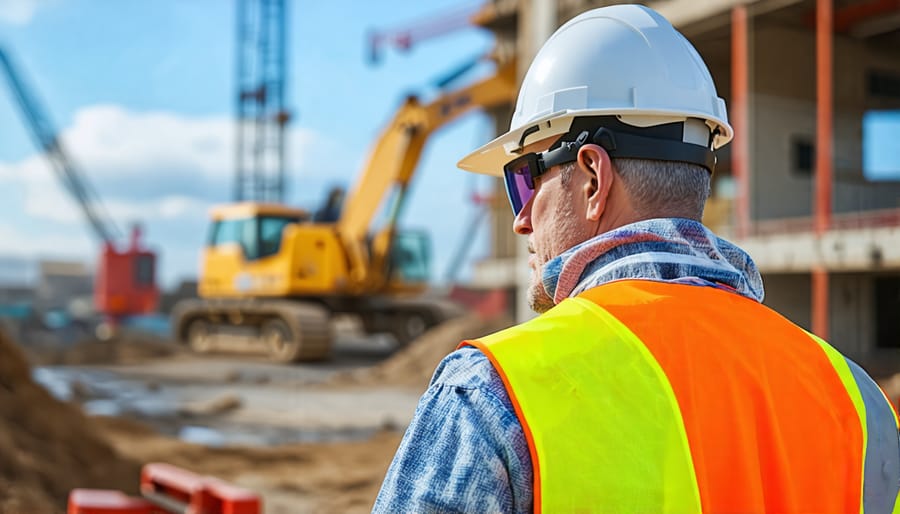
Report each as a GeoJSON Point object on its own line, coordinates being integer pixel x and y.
{"type": "Point", "coordinates": [593, 160]}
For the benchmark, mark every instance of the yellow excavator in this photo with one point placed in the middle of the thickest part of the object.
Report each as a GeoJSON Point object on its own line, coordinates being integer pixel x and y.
{"type": "Point", "coordinates": [273, 276]}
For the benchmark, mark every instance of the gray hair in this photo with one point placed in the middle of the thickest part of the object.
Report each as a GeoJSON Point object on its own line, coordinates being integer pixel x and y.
{"type": "Point", "coordinates": [665, 188]}
{"type": "Point", "coordinates": [659, 189]}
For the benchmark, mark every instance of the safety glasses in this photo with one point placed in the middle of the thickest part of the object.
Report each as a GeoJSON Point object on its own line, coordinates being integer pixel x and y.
{"type": "Point", "coordinates": [520, 173]}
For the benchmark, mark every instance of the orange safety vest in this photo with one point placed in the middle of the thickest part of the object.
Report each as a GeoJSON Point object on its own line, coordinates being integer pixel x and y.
{"type": "Point", "coordinates": [641, 396]}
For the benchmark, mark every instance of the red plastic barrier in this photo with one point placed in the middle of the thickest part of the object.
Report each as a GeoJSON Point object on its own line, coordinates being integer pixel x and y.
{"type": "Point", "coordinates": [97, 501]}
{"type": "Point", "coordinates": [180, 490]}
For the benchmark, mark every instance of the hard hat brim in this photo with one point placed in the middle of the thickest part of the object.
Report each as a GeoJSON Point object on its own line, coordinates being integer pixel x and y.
{"type": "Point", "coordinates": [490, 158]}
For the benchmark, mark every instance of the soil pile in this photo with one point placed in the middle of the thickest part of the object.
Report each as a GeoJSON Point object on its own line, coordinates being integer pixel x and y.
{"type": "Point", "coordinates": [120, 350]}
{"type": "Point", "coordinates": [413, 366]}
{"type": "Point", "coordinates": [48, 447]}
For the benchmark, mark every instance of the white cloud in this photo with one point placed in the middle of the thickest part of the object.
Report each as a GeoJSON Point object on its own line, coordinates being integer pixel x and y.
{"type": "Point", "coordinates": [172, 207]}
{"type": "Point", "coordinates": [26, 244]}
{"type": "Point", "coordinates": [18, 12]}
{"type": "Point", "coordinates": [166, 170]}
{"type": "Point", "coordinates": [162, 169]}
{"type": "Point", "coordinates": [44, 197]}
{"type": "Point", "coordinates": [112, 141]}
{"type": "Point", "coordinates": [155, 164]}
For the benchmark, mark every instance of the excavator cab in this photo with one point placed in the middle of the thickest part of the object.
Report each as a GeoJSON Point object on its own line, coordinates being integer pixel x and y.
{"type": "Point", "coordinates": [246, 240]}
{"type": "Point", "coordinates": [258, 237]}
{"type": "Point", "coordinates": [410, 258]}
{"type": "Point", "coordinates": [276, 251]}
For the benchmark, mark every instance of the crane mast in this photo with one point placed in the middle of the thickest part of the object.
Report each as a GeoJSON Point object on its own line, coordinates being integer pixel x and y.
{"type": "Point", "coordinates": [261, 113]}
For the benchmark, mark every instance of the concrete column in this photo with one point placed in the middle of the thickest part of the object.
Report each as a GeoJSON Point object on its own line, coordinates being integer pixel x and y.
{"type": "Point", "coordinates": [820, 302]}
{"type": "Point", "coordinates": [740, 155]}
{"type": "Point", "coordinates": [824, 94]}
{"type": "Point", "coordinates": [824, 32]}
{"type": "Point", "coordinates": [537, 21]}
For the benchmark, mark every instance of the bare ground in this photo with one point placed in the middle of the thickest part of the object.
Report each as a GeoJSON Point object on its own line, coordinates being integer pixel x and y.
{"type": "Point", "coordinates": [48, 446]}
{"type": "Point", "coordinates": [322, 477]}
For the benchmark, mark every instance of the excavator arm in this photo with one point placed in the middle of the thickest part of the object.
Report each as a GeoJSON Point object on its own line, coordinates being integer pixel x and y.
{"type": "Point", "coordinates": [392, 163]}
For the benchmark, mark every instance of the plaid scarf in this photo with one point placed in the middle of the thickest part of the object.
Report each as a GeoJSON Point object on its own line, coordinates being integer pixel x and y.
{"type": "Point", "coordinates": [664, 249]}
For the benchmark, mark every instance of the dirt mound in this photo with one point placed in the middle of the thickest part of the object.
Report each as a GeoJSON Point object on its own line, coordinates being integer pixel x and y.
{"type": "Point", "coordinates": [414, 365]}
{"type": "Point", "coordinates": [121, 350]}
{"type": "Point", "coordinates": [48, 447]}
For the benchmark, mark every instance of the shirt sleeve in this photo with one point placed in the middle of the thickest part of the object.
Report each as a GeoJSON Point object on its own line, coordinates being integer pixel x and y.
{"type": "Point", "coordinates": [464, 450]}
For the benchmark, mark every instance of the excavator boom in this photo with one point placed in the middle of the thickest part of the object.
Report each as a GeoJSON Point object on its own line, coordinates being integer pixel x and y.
{"type": "Point", "coordinates": [396, 154]}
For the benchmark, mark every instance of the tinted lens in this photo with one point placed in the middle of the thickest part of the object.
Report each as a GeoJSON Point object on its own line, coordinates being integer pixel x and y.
{"type": "Point", "coordinates": [519, 184]}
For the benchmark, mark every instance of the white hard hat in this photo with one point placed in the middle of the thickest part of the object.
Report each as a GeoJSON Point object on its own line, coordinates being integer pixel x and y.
{"type": "Point", "coordinates": [625, 61]}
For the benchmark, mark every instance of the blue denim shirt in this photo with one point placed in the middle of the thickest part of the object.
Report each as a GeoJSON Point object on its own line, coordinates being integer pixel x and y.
{"type": "Point", "coordinates": [465, 450]}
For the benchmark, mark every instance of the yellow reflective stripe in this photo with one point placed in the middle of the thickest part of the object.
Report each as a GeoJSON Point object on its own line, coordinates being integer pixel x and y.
{"type": "Point", "coordinates": [628, 451]}
{"type": "Point", "coordinates": [843, 370]}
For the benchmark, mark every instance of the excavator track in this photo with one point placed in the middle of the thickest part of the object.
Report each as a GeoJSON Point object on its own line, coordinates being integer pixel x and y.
{"type": "Point", "coordinates": [407, 319]}
{"type": "Point", "coordinates": [288, 331]}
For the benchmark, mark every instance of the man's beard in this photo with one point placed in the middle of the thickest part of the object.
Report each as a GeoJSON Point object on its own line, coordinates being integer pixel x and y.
{"type": "Point", "coordinates": [566, 223]}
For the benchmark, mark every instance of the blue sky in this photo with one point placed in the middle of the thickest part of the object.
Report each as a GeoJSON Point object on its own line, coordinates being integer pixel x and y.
{"type": "Point", "coordinates": [143, 95]}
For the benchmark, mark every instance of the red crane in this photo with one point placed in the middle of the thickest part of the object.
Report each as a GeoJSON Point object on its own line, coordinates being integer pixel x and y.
{"type": "Point", "coordinates": [125, 281]}
{"type": "Point", "coordinates": [403, 38]}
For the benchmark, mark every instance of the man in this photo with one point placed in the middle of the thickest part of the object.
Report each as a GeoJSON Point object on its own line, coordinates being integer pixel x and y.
{"type": "Point", "coordinates": [654, 380]}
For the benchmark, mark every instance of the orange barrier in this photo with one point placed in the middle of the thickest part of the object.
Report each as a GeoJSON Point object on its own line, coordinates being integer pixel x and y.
{"type": "Point", "coordinates": [168, 490]}
{"type": "Point", "coordinates": [180, 490]}
{"type": "Point", "coordinates": [97, 501]}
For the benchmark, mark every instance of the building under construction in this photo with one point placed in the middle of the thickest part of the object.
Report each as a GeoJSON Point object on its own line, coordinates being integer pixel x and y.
{"type": "Point", "coordinates": [808, 186]}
